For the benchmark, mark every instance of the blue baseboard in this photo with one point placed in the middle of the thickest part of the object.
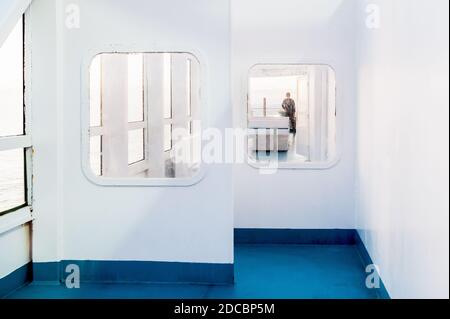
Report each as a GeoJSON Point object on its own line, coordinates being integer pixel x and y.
{"type": "Point", "coordinates": [295, 236]}
{"type": "Point", "coordinates": [367, 260]}
{"type": "Point", "coordinates": [137, 271]}
{"type": "Point", "coordinates": [48, 272]}
{"type": "Point", "coordinates": [15, 280]}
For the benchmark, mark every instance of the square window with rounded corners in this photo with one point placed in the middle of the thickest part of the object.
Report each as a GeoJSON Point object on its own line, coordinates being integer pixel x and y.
{"type": "Point", "coordinates": [138, 130]}
{"type": "Point", "coordinates": [291, 116]}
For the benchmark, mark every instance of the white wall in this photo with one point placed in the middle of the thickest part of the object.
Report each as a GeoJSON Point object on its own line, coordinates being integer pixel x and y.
{"type": "Point", "coordinates": [296, 31]}
{"type": "Point", "coordinates": [15, 250]}
{"type": "Point", "coordinates": [402, 163]}
{"type": "Point", "coordinates": [76, 219]}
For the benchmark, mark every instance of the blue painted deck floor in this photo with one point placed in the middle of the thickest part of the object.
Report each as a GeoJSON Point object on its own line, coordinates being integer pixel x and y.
{"type": "Point", "coordinates": [261, 271]}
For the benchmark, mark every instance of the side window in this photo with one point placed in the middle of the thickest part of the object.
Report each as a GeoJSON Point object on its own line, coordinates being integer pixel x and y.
{"type": "Point", "coordinates": [144, 113]}
{"type": "Point", "coordinates": [15, 141]}
{"type": "Point", "coordinates": [291, 114]}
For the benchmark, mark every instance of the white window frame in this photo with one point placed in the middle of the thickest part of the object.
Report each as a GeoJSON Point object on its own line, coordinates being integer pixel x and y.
{"type": "Point", "coordinates": [136, 167]}
{"type": "Point", "coordinates": [296, 165]}
{"type": "Point", "coordinates": [16, 217]}
{"type": "Point", "coordinates": [87, 131]}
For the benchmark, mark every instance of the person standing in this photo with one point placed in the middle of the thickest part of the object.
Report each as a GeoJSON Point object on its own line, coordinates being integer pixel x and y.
{"type": "Point", "coordinates": [289, 107]}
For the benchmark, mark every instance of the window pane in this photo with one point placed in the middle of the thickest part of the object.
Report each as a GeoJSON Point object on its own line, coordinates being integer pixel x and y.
{"type": "Point", "coordinates": [267, 93]}
{"type": "Point", "coordinates": [96, 91]}
{"type": "Point", "coordinates": [167, 85]}
{"type": "Point", "coordinates": [11, 83]}
{"type": "Point", "coordinates": [167, 137]}
{"type": "Point", "coordinates": [135, 146]}
{"type": "Point", "coordinates": [135, 88]}
{"type": "Point", "coordinates": [96, 155]}
{"type": "Point", "coordinates": [12, 179]}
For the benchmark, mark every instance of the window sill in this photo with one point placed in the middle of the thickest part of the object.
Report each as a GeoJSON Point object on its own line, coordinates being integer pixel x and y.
{"type": "Point", "coordinates": [145, 182]}
{"type": "Point", "coordinates": [293, 165]}
{"type": "Point", "coordinates": [15, 219]}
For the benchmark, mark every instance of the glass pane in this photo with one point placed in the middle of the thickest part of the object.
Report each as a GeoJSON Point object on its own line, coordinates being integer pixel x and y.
{"type": "Point", "coordinates": [135, 88]}
{"type": "Point", "coordinates": [167, 137]}
{"type": "Point", "coordinates": [135, 146]}
{"type": "Point", "coordinates": [188, 86]}
{"type": "Point", "coordinates": [167, 85]}
{"type": "Point", "coordinates": [11, 83]}
{"type": "Point", "coordinates": [96, 91]}
{"type": "Point", "coordinates": [12, 179]}
{"type": "Point", "coordinates": [96, 155]}
{"type": "Point", "coordinates": [267, 93]}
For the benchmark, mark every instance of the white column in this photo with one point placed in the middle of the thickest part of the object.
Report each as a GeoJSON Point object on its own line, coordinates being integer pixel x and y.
{"type": "Point", "coordinates": [303, 105]}
{"type": "Point", "coordinates": [195, 88]}
{"type": "Point", "coordinates": [331, 142]}
{"type": "Point", "coordinates": [324, 114]}
{"type": "Point", "coordinates": [115, 115]}
{"type": "Point", "coordinates": [196, 109]}
{"type": "Point", "coordinates": [313, 83]}
{"type": "Point", "coordinates": [154, 102]}
{"type": "Point", "coordinates": [317, 118]}
{"type": "Point", "coordinates": [180, 113]}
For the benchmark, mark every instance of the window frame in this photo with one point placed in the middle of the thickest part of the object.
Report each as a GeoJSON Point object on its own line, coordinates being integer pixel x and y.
{"type": "Point", "coordinates": [196, 178]}
{"type": "Point", "coordinates": [294, 165]}
{"type": "Point", "coordinates": [24, 140]}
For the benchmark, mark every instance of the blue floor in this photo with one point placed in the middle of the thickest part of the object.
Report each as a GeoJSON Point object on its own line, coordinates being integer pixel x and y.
{"type": "Point", "coordinates": [261, 271]}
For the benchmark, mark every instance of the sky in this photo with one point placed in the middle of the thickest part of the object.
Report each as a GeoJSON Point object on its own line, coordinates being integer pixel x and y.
{"type": "Point", "coordinates": [11, 84]}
